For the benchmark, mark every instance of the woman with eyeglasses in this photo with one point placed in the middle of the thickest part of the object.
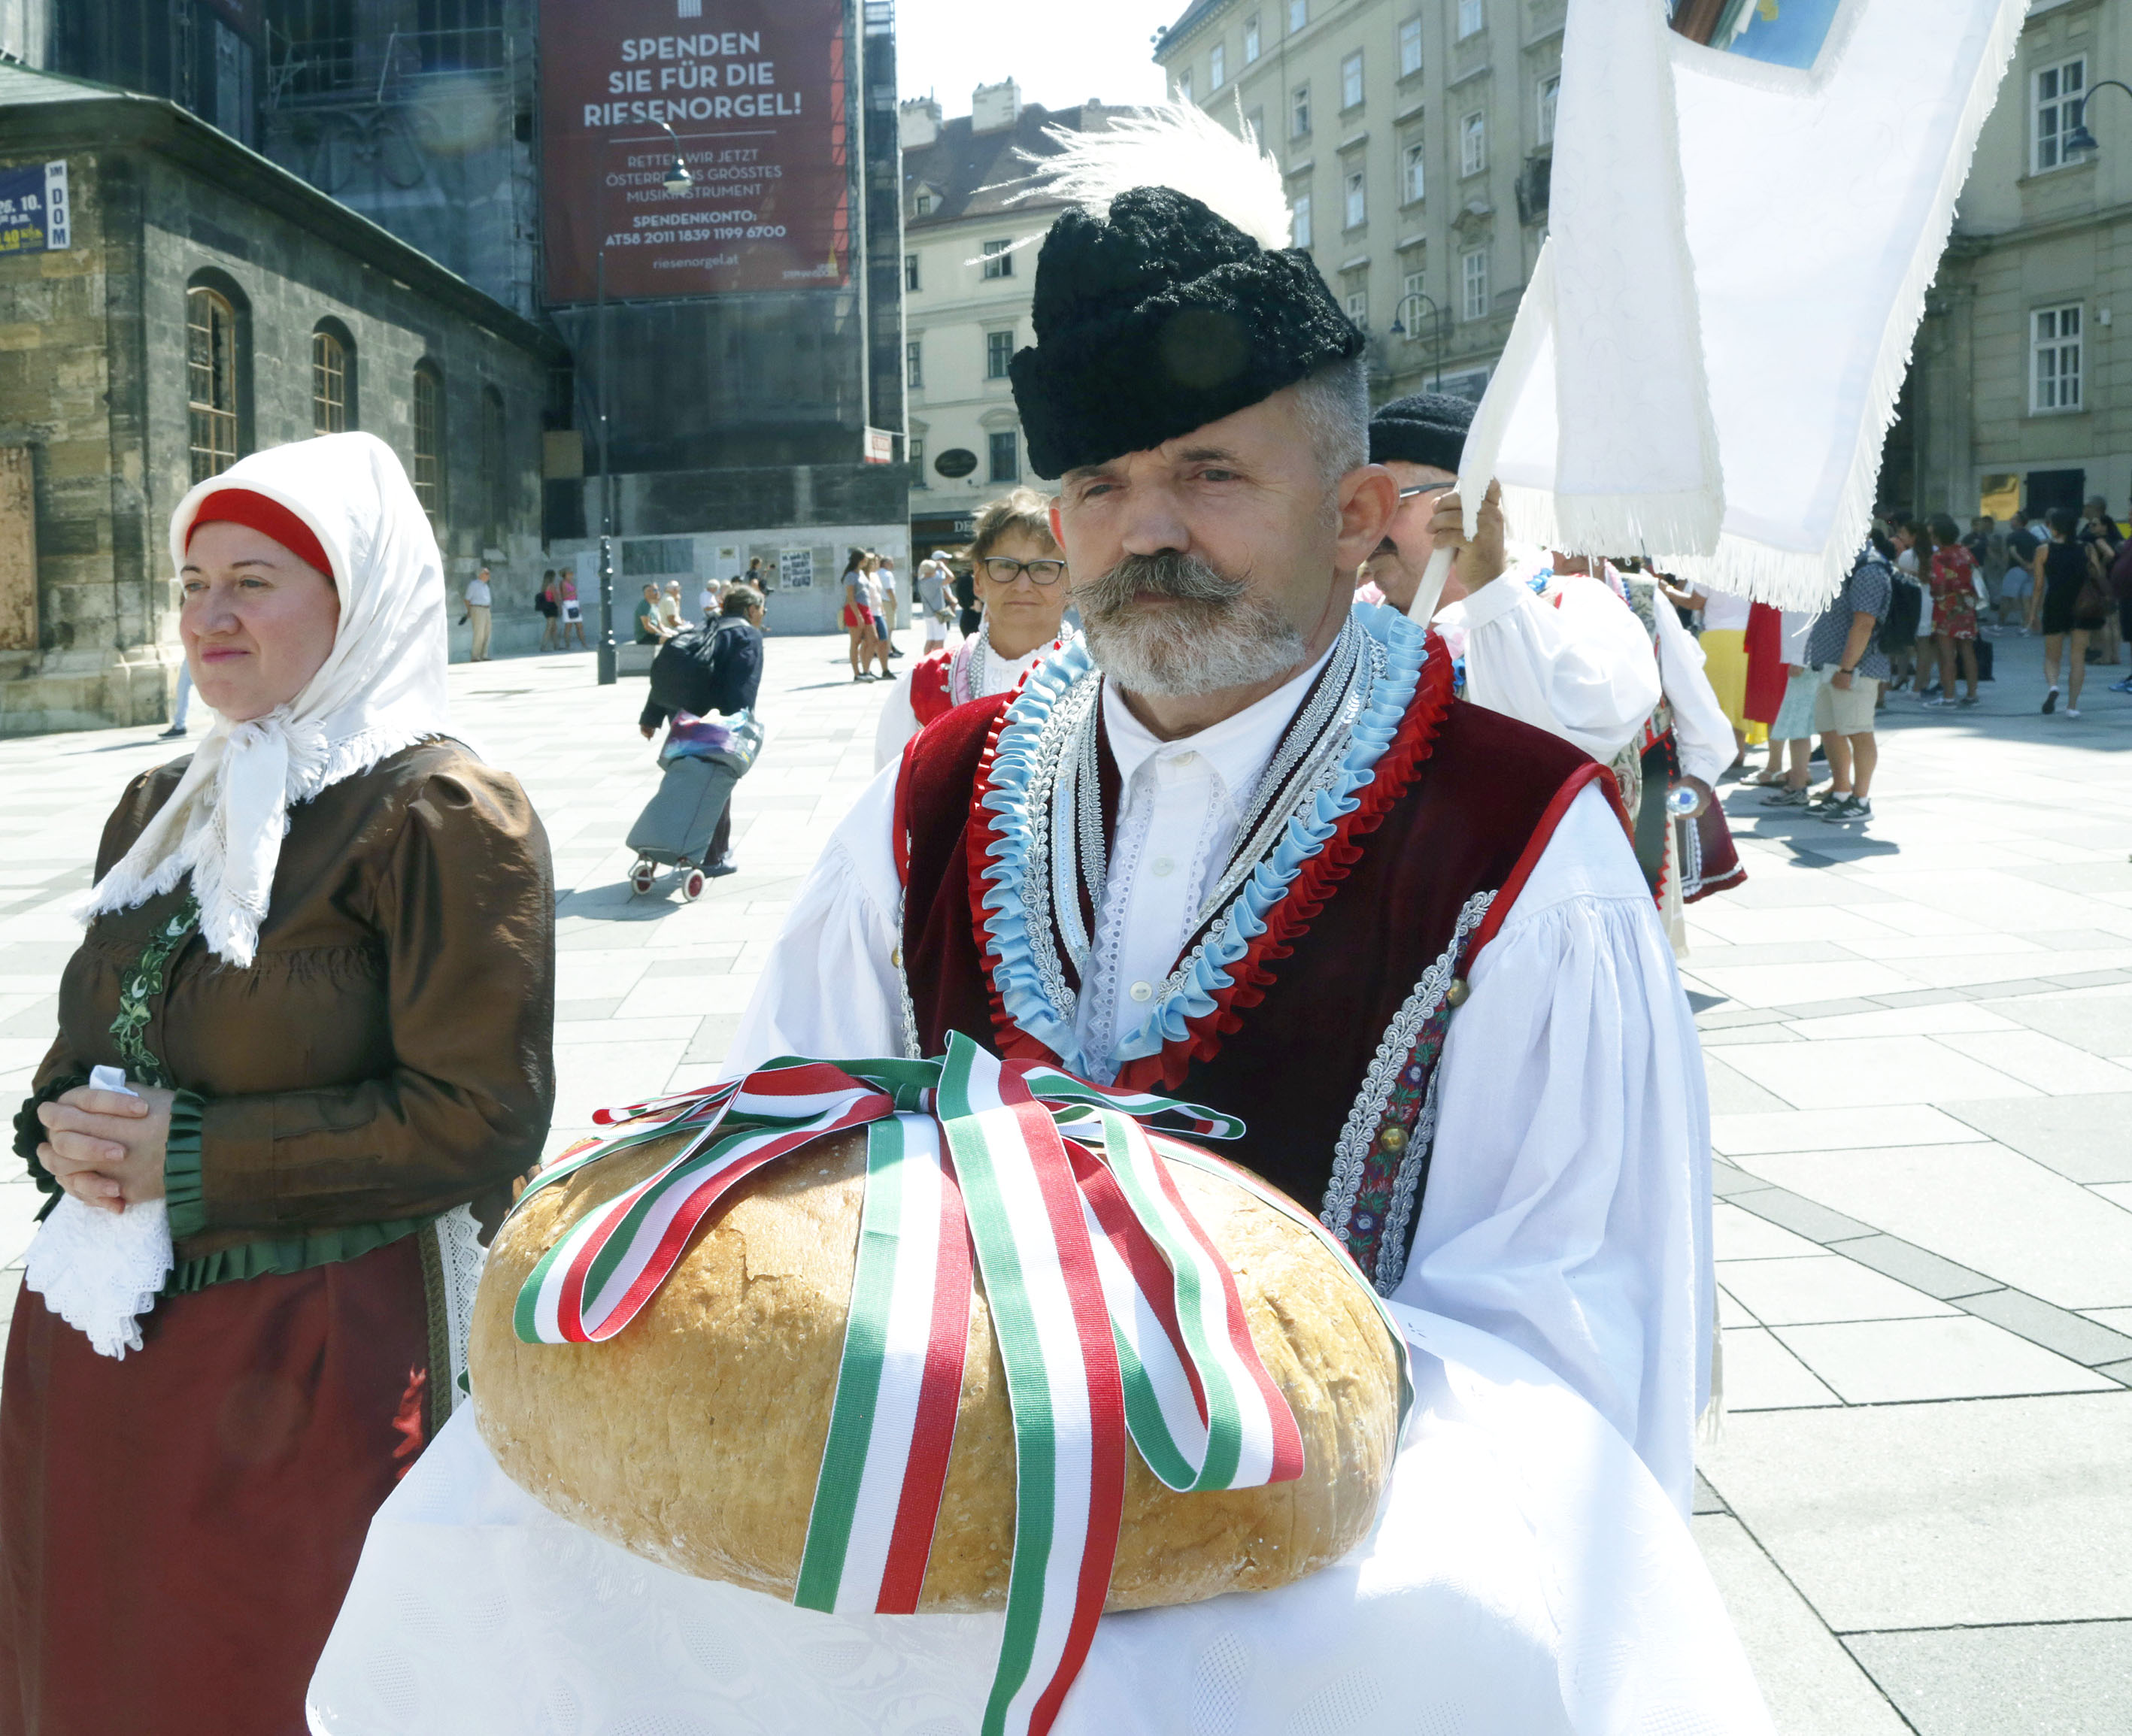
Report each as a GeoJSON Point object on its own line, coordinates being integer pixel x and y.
{"type": "Point", "coordinates": [1022, 585]}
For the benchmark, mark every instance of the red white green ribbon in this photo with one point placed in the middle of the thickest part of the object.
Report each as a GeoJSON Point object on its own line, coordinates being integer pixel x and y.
{"type": "Point", "coordinates": [1114, 1317]}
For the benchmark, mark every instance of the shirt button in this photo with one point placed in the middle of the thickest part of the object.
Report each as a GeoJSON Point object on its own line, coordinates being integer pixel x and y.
{"type": "Point", "coordinates": [1142, 991]}
{"type": "Point", "coordinates": [1162, 865]}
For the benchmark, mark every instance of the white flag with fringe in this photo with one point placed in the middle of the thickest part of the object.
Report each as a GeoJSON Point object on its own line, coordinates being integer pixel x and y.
{"type": "Point", "coordinates": [1750, 200]}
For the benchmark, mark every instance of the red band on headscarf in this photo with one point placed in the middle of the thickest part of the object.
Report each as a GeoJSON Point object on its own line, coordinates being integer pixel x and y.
{"type": "Point", "coordinates": [269, 517]}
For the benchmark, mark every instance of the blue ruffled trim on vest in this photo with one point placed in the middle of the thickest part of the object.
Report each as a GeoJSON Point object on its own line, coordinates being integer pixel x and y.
{"type": "Point", "coordinates": [1014, 976]}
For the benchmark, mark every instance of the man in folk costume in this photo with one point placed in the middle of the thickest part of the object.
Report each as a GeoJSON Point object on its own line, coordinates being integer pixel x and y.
{"type": "Point", "coordinates": [1246, 840]}
{"type": "Point", "coordinates": [1020, 581]}
{"type": "Point", "coordinates": [1596, 659]}
{"type": "Point", "coordinates": [1244, 843]}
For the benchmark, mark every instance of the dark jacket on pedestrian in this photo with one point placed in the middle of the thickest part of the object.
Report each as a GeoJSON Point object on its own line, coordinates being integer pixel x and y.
{"type": "Point", "coordinates": [728, 674]}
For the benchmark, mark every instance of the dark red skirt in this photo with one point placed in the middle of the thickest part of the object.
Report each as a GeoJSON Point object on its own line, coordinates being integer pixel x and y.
{"type": "Point", "coordinates": [177, 1529]}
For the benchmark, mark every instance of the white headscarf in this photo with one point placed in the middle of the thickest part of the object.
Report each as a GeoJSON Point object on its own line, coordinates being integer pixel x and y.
{"type": "Point", "coordinates": [381, 688]}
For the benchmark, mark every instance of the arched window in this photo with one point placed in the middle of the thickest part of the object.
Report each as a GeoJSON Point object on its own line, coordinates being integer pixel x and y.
{"type": "Point", "coordinates": [211, 339]}
{"type": "Point", "coordinates": [332, 382]}
{"type": "Point", "coordinates": [430, 440]}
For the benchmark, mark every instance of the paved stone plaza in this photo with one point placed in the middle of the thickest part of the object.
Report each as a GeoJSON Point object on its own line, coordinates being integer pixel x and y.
{"type": "Point", "coordinates": [1920, 1045]}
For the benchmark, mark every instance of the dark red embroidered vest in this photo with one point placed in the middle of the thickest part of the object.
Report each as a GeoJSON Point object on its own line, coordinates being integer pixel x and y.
{"type": "Point", "coordinates": [1327, 1048]}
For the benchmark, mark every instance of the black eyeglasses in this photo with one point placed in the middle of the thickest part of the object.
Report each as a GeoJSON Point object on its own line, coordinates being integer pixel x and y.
{"type": "Point", "coordinates": [1408, 494]}
{"type": "Point", "coordinates": [1002, 571]}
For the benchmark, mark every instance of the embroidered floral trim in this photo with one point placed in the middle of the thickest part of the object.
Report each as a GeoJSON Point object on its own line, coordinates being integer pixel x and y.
{"type": "Point", "coordinates": [139, 993]}
{"type": "Point", "coordinates": [1383, 1151]}
{"type": "Point", "coordinates": [1405, 707]}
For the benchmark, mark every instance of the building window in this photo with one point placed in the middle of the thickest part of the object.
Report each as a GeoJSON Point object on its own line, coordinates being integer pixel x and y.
{"type": "Point", "coordinates": [1351, 81]}
{"type": "Point", "coordinates": [1550, 88]}
{"type": "Point", "coordinates": [1256, 121]}
{"type": "Point", "coordinates": [1299, 113]}
{"type": "Point", "coordinates": [913, 363]}
{"type": "Point", "coordinates": [2059, 93]}
{"type": "Point", "coordinates": [914, 450]}
{"type": "Point", "coordinates": [1414, 172]}
{"type": "Point", "coordinates": [2054, 373]}
{"type": "Point", "coordinates": [1473, 281]}
{"type": "Point", "coordinates": [1409, 48]}
{"type": "Point", "coordinates": [1298, 15]}
{"type": "Point", "coordinates": [1217, 67]}
{"type": "Point", "coordinates": [922, 206]}
{"type": "Point", "coordinates": [211, 374]}
{"type": "Point", "coordinates": [328, 384]}
{"type": "Point", "coordinates": [1410, 289]}
{"type": "Point", "coordinates": [999, 351]}
{"type": "Point", "coordinates": [1471, 18]}
{"type": "Point", "coordinates": [1358, 308]}
{"type": "Point", "coordinates": [1007, 461]}
{"type": "Point", "coordinates": [1473, 144]}
{"type": "Point", "coordinates": [1184, 85]}
{"type": "Point", "coordinates": [1298, 221]}
{"type": "Point", "coordinates": [1251, 40]}
{"type": "Point", "coordinates": [999, 258]}
{"type": "Point", "coordinates": [1357, 211]}
{"type": "Point", "coordinates": [910, 272]}
{"type": "Point", "coordinates": [430, 441]}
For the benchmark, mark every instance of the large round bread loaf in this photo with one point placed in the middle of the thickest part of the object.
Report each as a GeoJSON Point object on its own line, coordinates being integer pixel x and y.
{"type": "Point", "coordinates": [694, 1437]}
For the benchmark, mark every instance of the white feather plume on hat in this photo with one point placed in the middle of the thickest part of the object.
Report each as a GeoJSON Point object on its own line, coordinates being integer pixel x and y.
{"type": "Point", "coordinates": [1174, 145]}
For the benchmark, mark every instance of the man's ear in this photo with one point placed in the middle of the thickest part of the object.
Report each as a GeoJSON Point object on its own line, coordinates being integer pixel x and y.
{"type": "Point", "coordinates": [1368, 500]}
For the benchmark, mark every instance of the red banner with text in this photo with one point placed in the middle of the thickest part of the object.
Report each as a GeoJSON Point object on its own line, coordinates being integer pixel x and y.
{"type": "Point", "coordinates": [755, 92]}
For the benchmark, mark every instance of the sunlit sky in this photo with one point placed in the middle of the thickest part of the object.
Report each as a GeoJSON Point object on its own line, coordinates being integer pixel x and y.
{"type": "Point", "coordinates": [1061, 52]}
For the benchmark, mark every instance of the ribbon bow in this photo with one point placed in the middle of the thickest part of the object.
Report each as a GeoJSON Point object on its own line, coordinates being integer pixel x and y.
{"type": "Point", "coordinates": [1114, 1314]}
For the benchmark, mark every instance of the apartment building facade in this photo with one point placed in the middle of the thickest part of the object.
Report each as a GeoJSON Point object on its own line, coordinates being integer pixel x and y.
{"type": "Point", "coordinates": [1416, 137]}
{"type": "Point", "coordinates": [969, 271]}
{"type": "Point", "coordinates": [2018, 393]}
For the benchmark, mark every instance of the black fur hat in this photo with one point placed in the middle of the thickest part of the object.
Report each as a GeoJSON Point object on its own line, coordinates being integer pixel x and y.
{"type": "Point", "coordinates": [1158, 319]}
{"type": "Point", "coordinates": [1423, 427]}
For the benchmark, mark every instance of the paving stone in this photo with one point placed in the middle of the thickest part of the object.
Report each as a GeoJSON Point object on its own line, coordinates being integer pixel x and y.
{"type": "Point", "coordinates": [1923, 1515]}
{"type": "Point", "coordinates": [1814, 1686]}
{"type": "Point", "coordinates": [2088, 1138]}
{"type": "Point", "coordinates": [1794, 1212]}
{"type": "Point", "coordinates": [1903, 1126]}
{"type": "Point", "coordinates": [1988, 990]}
{"type": "Point", "coordinates": [2073, 1679]}
{"type": "Point", "coordinates": [1827, 1287]}
{"type": "Point", "coordinates": [1741, 1236]}
{"type": "Point", "coordinates": [2102, 1025]}
{"type": "Point", "coordinates": [1731, 1093]}
{"type": "Point", "coordinates": [2057, 1329]}
{"type": "Point", "coordinates": [1830, 1009]}
{"type": "Point", "coordinates": [1982, 1206]}
{"type": "Point", "coordinates": [1725, 1180]}
{"type": "Point", "coordinates": [1705, 1499]}
{"type": "Point", "coordinates": [1918, 998]}
{"type": "Point", "coordinates": [2120, 1372]}
{"type": "Point", "coordinates": [1917, 1267]}
{"type": "Point", "coordinates": [1903, 1361]}
{"type": "Point", "coordinates": [574, 1011]}
{"type": "Point", "coordinates": [1761, 1373]}
{"type": "Point", "coordinates": [713, 1037]}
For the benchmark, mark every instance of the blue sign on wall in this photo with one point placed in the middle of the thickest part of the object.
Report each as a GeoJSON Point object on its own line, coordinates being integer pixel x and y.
{"type": "Point", "coordinates": [34, 215]}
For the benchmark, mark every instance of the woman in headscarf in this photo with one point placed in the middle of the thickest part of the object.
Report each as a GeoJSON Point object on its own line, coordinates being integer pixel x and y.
{"type": "Point", "coordinates": [321, 953]}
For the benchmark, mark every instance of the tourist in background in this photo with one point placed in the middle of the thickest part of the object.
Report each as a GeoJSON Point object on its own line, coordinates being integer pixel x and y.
{"type": "Point", "coordinates": [2062, 570]}
{"type": "Point", "coordinates": [1909, 637]}
{"type": "Point", "coordinates": [888, 587]}
{"type": "Point", "coordinates": [574, 612]}
{"type": "Point", "coordinates": [479, 601]}
{"type": "Point", "coordinates": [549, 607]}
{"type": "Point", "coordinates": [857, 615]}
{"type": "Point", "coordinates": [2022, 543]}
{"type": "Point", "coordinates": [1953, 583]}
{"type": "Point", "coordinates": [1843, 649]}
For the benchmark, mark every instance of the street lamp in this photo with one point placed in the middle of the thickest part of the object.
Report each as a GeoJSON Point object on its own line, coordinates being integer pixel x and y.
{"type": "Point", "coordinates": [678, 179]}
{"type": "Point", "coordinates": [2080, 139]}
{"type": "Point", "coordinates": [1436, 323]}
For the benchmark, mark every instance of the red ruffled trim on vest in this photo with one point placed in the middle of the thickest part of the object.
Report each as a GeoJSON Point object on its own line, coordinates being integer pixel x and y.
{"type": "Point", "coordinates": [929, 696]}
{"type": "Point", "coordinates": [1252, 975]}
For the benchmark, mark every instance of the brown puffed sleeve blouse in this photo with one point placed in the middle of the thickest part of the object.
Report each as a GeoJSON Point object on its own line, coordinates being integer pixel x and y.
{"type": "Point", "coordinates": [387, 1056]}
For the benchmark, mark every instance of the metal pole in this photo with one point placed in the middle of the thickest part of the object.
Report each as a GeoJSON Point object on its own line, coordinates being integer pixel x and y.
{"type": "Point", "coordinates": [603, 651]}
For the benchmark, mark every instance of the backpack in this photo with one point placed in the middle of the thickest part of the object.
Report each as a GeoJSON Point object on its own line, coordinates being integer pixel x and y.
{"type": "Point", "coordinates": [1906, 607]}
{"type": "Point", "coordinates": [682, 670]}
